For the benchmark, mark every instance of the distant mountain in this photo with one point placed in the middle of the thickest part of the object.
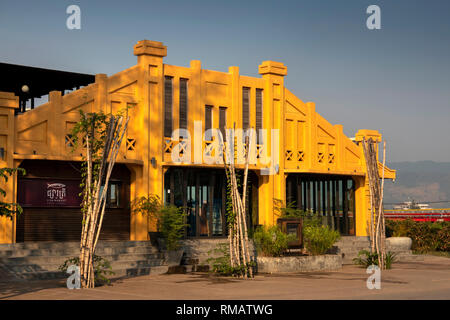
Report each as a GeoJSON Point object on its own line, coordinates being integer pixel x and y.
{"type": "Point", "coordinates": [423, 181]}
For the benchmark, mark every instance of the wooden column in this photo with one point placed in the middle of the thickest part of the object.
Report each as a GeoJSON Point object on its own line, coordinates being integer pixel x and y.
{"type": "Point", "coordinates": [345, 205]}
{"type": "Point", "coordinates": [319, 198]}
{"type": "Point", "coordinates": [210, 204]}
{"type": "Point", "coordinates": [197, 205]}
{"type": "Point", "coordinates": [329, 218]}
{"type": "Point", "coordinates": [299, 192]}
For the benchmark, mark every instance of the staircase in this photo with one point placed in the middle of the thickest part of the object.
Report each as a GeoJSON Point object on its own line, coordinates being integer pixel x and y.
{"type": "Point", "coordinates": [349, 246]}
{"type": "Point", "coordinates": [40, 260]}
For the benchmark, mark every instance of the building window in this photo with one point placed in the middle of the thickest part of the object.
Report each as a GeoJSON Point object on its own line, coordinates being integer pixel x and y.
{"type": "Point", "coordinates": [259, 113]}
{"type": "Point", "coordinates": [183, 103]}
{"type": "Point", "coordinates": [208, 117]}
{"type": "Point", "coordinates": [168, 106]}
{"type": "Point", "coordinates": [223, 121]}
{"type": "Point", "coordinates": [245, 108]}
{"type": "Point", "coordinates": [112, 195]}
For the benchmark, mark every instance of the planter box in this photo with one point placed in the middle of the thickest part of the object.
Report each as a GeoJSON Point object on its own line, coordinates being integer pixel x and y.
{"type": "Point", "coordinates": [173, 258]}
{"type": "Point", "coordinates": [398, 243]}
{"type": "Point", "coordinates": [290, 264]}
{"type": "Point", "coordinates": [292, 226]}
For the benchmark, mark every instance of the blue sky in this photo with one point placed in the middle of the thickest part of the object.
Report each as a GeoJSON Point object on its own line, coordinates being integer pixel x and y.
{"type": "Point", "coordinates": [396, 79]}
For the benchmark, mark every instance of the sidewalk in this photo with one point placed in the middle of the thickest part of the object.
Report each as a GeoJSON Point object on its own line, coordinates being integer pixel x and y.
{"type": "Point", "coordinates": [428, 279]}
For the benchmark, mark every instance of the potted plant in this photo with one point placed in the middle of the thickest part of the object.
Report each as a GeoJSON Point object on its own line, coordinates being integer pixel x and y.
{"type": "Point", "coordinates": [170, 226]}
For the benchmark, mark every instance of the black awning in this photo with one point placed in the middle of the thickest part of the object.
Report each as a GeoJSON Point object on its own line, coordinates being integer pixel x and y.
{"type": "Point", "coordinates": [40, 81]}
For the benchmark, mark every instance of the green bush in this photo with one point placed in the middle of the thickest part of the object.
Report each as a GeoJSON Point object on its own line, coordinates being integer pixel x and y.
{"type": "Point", "coordinates": [288, 211]}
{"type": "Point", "coordinates": [366, 258]}
{"type": "Point", "coordinates": [426, 236]}
{"type": "Point", "coordinates": [171, 224]}
{"type": "Point", "coordinates": [318, 239]}
{"type": "Point", "coordinates": [221, 264]}
{"type": "Point", "coordinates": [271, 241]}
{"type": "Point", "coordinates": [102, 268]}
{"type": "Point", "coordinates": [170, 219]}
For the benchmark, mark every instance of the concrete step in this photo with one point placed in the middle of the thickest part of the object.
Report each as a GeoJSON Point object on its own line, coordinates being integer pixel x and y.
{"type": "Point", "coordinates": [71, 245]}
{"type": "Point", "coordinates": [140, 271]}
{"type": "Point", "coordinates": [75, 251]}
{"type": "Point", "coordinates": [60, 259]}
{"type": "Point", "coordinates": [54, 265]}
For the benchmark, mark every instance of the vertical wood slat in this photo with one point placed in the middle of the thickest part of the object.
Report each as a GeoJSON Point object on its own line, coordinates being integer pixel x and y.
{"type": "Point", "coordinates": [328, 183]}
{"type": "Point", "coordinates": [168, 93]}
{"type": "Point", "coordinates": [172, 188]}
{"type": "Point", "coordinates": [308, 194]}
{"type": "Point", "coordinates": [319, 196]}
{"type": "Point", "coordinates": [314, 196]}
{"type": "Point", "coordinates": [184, 195]}
{"type": "Point", "coordinates": [336, 205]}
{"type": "Point", "coordinates": [197, 205]}
{"type": "Point", "coordinates": [210, 205]}
{"type": "Point", "coordinates": [245, 108]}
{"type": "Point", "coordinates": [324, 207]}
{"type": "Point", "coordinates": [304, 195]}
{"type": "Point", "coordinates": [345, 205]}
{"type": "Point", "coordinates": [299, 193]}
{"type": "Point", "coordinates": [223, 213]}
{"type": "Point", "coordinates": [289, 190]}
{"type": "Point", "coordinates": [183, 103]}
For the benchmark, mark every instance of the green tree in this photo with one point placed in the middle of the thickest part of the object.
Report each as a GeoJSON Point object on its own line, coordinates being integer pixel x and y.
{"type": "Point", "coordinates": [9, 209]}
{"type": "Point", "coordinates": [101, 136]}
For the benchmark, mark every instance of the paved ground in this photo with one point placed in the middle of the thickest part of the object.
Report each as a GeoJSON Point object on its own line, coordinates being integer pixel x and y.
{"type": "Point", "coordinates": [428, 279]}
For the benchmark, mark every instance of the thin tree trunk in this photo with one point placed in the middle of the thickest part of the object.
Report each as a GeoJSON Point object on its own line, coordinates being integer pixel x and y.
{"type": "Point", "coordinates": [95, 201]}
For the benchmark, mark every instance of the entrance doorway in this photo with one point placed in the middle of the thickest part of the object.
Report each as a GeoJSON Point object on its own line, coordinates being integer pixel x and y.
{"type": "Point", "coordinates": [330, 196]}
{"type": "Point", "coordinates": [202, 193]}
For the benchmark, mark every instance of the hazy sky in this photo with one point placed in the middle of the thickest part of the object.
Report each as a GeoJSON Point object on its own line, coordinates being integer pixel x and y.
{"type": "Point", "coordinates": [396, 79]}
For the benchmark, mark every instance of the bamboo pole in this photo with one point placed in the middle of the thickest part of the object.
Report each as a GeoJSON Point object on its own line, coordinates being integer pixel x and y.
{"type": "Point", "coordinates": [381, 228]}
{"type": "Point", "coordinates": [95, 201]}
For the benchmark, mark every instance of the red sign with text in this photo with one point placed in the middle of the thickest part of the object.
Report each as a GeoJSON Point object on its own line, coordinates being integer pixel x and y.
{"type": "Point", "coordinates": [49, 193]}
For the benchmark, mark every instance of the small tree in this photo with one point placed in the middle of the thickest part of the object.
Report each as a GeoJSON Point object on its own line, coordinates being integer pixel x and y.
{"type": "Point", "coordinates": [9, 209]}
{"type": "Point", "coordinates": [101, 136]}
{"type": "Point", "coordinates": [170, 219]}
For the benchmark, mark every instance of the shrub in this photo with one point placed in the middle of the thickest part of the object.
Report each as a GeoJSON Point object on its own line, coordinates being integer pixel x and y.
{"type": "Point", "coordinates": [170, 219]}
{"type": "Point", "coordinates": [271, 241]}
{"type": "Point", "coordinates": [317, 238]}
{"type": "Point", "coordinates": [426, 236]}
{"type": "Point", "coordinates": [102, 268]}
{"type": "Point", "coordinates": [221, 264]}
{"type": "Point", "coordinates": [372, 259]}
{"type": "Point", "coordinates": [171, 224]}
{"type": "Point", "coordinates": [288, 211]}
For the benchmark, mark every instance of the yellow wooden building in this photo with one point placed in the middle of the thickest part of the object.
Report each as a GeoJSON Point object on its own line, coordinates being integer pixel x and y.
{"type": "Point", "coordinates": [305, 159]}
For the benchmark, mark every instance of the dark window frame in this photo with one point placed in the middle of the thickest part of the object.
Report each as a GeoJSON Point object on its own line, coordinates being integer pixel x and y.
{"type": "Point", "coordinates": [183, 111]}
{"type": "Point", "coordinates": [168, 106]}
{"type": "Point", "coordinates": [245, 108]}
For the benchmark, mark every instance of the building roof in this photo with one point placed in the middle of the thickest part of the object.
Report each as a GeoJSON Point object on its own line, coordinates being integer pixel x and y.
{"type": "Point", "coordinates": [40, 81]}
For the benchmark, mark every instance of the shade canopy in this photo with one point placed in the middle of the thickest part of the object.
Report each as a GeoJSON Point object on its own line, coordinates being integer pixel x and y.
{"type": "Point", "coordinates": [40, 81]}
